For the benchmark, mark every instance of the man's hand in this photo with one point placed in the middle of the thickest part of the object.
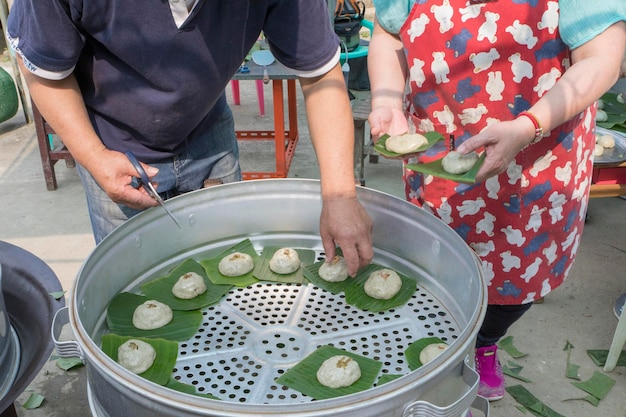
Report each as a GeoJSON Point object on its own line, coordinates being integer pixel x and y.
{"type": "Point", "coordinates": [345, 222]}
{"type": "Point", "coordinates": [114, 173]}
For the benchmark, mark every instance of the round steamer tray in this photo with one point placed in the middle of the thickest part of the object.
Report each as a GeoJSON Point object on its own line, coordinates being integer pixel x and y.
{"type": "Point", "coordinates": [611, 155]}
{"type": "Point", "coordinates": [255, 334]}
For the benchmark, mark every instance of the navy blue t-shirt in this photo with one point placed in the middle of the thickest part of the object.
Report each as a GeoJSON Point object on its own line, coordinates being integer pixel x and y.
{"type": "Point", "coordinates": [150, 86]}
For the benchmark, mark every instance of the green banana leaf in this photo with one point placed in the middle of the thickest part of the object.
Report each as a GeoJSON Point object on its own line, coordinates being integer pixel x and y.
{"type": "Point", "coordinates": [166, 354]}
{"type": "Point", "coordinates": [311, 273]}
{"type": "Point", "coordinates": [160, 289]}
{"type": "Point", "coordinates": [303, 376]}
{"type": "Point", "coordinates": [412, 352]}
{"type": "Point", "coordinates": [183, 326]}
{"type": "Point", "coordinates": [432, 137]}
{"type": "Point", "coordinates": [263, 272]}
{"type": "Point", "coordinates": [356, 296]}
{"type": "Point", "coordinates": [435, 169]}
{"type": "Point", "coordinates": [211, 266]}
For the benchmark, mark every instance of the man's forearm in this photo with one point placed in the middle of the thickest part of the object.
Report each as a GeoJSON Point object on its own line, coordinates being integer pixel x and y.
{"type": "Point", "coordinates": [332, 132]}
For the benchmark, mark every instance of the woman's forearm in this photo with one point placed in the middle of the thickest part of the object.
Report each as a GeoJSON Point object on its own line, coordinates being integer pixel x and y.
{"type": "Point", "coordinates": [387, 69]}
{"type": "Point", "coordinates": [595, 69]}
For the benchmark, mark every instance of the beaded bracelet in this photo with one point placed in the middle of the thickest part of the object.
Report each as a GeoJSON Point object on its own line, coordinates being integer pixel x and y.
{"type": "Point", "coordinates": [536, 123]}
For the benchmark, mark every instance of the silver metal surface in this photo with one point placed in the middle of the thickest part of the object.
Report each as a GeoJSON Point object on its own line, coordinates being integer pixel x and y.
{"type": "Point", "coordinates": [9, 348]}
{"type": "Point", "coordinates": [611, 155]}
{"type": "Point", "coordinates": [64, 348]}
{"type": "Point", "coordinates": [27, 283]}
{"type": "Point", "coordinates": [256, 333]}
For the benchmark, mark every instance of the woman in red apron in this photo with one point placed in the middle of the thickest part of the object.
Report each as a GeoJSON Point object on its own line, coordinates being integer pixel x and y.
{"type": "Point", "coordinates": [497, 78]}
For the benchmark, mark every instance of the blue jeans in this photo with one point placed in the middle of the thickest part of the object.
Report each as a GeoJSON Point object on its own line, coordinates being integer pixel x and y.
{"type": "Point", "coordinates": [212, 155]}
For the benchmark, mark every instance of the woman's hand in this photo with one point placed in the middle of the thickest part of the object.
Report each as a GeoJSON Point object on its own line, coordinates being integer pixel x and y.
{"type": "Point", "coordinates": [501, 142]}
{"type": "Point", "coordinates": [387, 120]}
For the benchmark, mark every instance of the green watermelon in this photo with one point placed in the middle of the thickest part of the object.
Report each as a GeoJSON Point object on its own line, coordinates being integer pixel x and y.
{"type": "Point", "coordinates": [8, 96]}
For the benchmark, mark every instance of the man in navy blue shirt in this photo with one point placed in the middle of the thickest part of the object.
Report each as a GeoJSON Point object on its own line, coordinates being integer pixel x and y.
{"type": "Point", "coordinates": [111, 76]}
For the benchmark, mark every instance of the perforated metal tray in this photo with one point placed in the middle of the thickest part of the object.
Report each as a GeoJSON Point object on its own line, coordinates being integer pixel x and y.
{"type": "Point", "coordinates": [255, 334]}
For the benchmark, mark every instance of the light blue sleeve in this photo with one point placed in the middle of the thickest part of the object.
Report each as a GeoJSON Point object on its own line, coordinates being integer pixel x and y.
{"type": "Point", "coordinates": [582, 20]}
{"type": "Point", "coordinates": [391, 14]}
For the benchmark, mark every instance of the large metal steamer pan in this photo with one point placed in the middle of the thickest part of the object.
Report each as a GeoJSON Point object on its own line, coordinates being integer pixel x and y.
{"type": "Point", "coordinates": [276, 209]}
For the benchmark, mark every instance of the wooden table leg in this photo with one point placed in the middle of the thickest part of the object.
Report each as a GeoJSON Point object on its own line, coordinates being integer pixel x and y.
{"type": "Point", "coordinates": [44, 150]}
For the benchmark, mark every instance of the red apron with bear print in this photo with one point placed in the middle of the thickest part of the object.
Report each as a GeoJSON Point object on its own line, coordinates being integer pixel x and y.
{"type": "Point", "coordinates": [473, 65]}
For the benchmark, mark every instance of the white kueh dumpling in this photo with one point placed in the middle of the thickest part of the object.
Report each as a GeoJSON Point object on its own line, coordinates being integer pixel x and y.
{"type": "Point", "coordinates": [285, 261]}
{"type": "Point", "coordinates": [236, 264]}
{"type": "Point", "coordinates": [431, 351]}
{"type": "Point", "coordinates": [136, 355]}
{"type": "Point", "coordinates": [383, 284]}
{"type": "Point", "coordinates": [607, 141]}
{"type": "Point", "coordinates": [339, 371]}
{"type": "Point", "coordinates": [601, 116]}
{"type": "Point", "coordinates": [334, 271]}
{"type": "Point", "coordinates": [456, 163]}
{"type": "Point", "coordinates": [152, 315]}
{"type": "Point", "coordinates": [598, 150]}
{"type": "Point", "coordinates": [407, 143]}
{"type": "Point", "coordinates": [188, 286]}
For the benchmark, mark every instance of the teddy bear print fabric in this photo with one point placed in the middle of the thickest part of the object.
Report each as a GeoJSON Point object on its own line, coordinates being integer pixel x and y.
{"type": "Point", "coordinates": [471, 65]}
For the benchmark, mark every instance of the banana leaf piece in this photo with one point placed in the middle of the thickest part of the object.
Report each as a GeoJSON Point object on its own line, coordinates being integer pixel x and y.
{"type": "Point", "coordinates": [514, 370]}
{"type": "Point", "coordinates": [615, 111]}
{"type": "Point", "coordinates": [166, 354]}
{"type": "Point", "coordinates": [311, 273]}
{"type": "Point", "coordinates": [356, 296]}
{"type": "Point", "coordinates": [506, 345]}
{"type": "Point", "coordinates": [598, 385]}
{"type": "Point", "coordinates": [611, 105]}
{"type": "Point", "coordinates": [432, 137]}
{"type": "Point", "coordinates": [384, 378]}
{"type": "Point", "coordinates": [612, 121]}
{"type": "Point", "coordinates": [183, 326]}
{"type": "Point", "coordinates": [68, 363]}
{"type": "Point", "coordinates": [435, 169]}
{"type": "Point", "coordinates": [571, 369]}
{"type": "Point", "coordinates": [530, 402]}
{"type": "Point", "coordinates": [211, 266]}
{"type": "Point", "coordinates": [34, 401]}
{"type": "Point", "coordinates": [412, 352]}
{"type": "Point", "coordinates": [599, 356]}
{"type": "Point", "coordinates": [303, 376]}
{"type": "Point", "coordinates": [160, 289]}
{"type": "Point", "coordinates": [187, 389]}
{"type": "Point", "coordinates": [263, 272]}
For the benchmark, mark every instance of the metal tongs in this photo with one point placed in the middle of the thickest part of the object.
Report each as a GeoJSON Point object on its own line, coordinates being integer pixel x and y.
{"type": "Point", "coordinates": [144, 181]}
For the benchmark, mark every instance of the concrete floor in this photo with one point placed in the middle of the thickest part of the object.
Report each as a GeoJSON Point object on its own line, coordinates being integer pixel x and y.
{"type": "Point", "coordinates": [54, 226]}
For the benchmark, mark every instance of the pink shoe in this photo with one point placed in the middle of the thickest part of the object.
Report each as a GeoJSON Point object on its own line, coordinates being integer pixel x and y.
{"type": "Point", "coordinates": [491, 377]}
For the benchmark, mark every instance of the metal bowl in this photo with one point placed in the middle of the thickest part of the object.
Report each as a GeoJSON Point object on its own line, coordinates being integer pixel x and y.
{"type": "Point", "coordinates": [613, 155]}
{"type": "Point", "coordinates": [27, 283]}
{"type": "Point", "coordinates": [451, 302]}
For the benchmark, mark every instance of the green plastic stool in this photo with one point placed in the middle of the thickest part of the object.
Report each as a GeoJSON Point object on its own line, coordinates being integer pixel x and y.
{"type": "Point", "coordinates": [8, 96]}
